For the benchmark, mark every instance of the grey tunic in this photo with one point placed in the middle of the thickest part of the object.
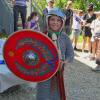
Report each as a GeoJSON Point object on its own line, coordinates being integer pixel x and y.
{"type": "Point", "coordinates": [44, 90]}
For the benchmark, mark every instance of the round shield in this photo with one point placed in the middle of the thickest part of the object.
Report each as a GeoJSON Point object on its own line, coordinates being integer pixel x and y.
{"type": "Point", "coordinates": [31, 55]}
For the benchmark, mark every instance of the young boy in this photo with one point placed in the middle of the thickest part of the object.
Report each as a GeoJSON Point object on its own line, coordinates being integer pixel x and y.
{"type": "Point", "coordinates": [50, 89]}
{"type": "Point", "coordinates": [33, 22]}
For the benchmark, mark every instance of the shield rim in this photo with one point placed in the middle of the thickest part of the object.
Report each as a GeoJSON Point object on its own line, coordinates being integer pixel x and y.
{"type": "Point", "coordinates": [44, 36]}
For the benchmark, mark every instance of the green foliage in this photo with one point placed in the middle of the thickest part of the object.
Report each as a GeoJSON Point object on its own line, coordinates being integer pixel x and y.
{"type": "Point", "coordinates": [3, 35]}
{"type": "Point", "coordinates": [96, 5]}
{"type": "Point", "coordinates": [80, 38]}
{"type": "Point", "coordinates": [77, 4]}
{"type": "Point", "coordinates": [60, 3]}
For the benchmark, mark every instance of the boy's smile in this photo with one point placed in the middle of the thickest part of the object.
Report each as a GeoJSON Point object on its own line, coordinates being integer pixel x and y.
{"type": "Point", "coordinates": [55, 23]}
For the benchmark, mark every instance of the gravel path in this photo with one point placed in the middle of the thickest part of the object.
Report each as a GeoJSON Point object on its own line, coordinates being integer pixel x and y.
{"type": "Point", "coordinates": [81, 83]}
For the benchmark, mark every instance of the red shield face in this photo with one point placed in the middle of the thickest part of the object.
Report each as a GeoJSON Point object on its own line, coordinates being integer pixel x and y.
{"type": "Point", "coordinates": [31, 56]}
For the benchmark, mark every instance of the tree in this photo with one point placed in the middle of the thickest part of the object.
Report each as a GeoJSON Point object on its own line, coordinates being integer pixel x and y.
{"type": "Point", "coordinates": [77, 4]}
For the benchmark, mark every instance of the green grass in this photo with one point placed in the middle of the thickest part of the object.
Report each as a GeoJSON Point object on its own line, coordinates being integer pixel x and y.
{"type": "Point", "coordinates": [3, 35]}
{"type": "Point", "coordinates": [80, 39]}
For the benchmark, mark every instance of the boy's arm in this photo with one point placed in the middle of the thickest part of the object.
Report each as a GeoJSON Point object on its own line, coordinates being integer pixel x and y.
{"type": "Point", "coordinates": [28, 25]}
{"type": "Point", "coordinates": [69, 55]}
{"type": "Point", "coordinates": [68, 4]}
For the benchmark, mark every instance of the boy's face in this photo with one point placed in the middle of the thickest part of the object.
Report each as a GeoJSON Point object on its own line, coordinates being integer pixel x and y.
{"type": "Point", "coordinates": [80, 14]}
{"type": "Point", "coordinates": [55, 23]}
{"type": "Point", "coordinates": [91, 13]}
{"type": "Point", "coordinates": [50, 4]}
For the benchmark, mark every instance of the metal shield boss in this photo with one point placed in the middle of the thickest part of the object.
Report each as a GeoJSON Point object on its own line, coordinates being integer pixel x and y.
{"type": "Point", "coordinates": [31, 55]}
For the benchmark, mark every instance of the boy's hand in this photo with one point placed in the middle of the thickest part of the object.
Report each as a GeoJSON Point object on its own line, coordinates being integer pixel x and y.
{"type": "Point", "coordinates": [64, 62]}
{"type": "Point", "coordinates": [69, 2]}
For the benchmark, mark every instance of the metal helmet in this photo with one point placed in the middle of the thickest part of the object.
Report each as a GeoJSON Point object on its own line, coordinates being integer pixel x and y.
{"type": "Point", "coordinates": [57, 12]}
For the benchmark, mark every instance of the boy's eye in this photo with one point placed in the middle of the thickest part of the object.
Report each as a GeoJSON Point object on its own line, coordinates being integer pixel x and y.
{"type": "Point", "coordinates": [58, 20]}
{"type": "Point", "coordinates": [53, 19]}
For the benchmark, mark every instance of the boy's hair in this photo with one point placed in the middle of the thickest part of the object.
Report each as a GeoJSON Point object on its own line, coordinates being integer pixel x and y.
{"type": "Point", "coordinates": [28, 19]}
{"type": "Point", "coordinates": [33, 14]}
{"type": "Point", "coordinates": [50, 1]}
{"type": "Point", "coordinates": [90, 10]}
{"type": "Point", "coordinates": [80, 11]}
{"type": "Point", "coordinates": [90, 7]}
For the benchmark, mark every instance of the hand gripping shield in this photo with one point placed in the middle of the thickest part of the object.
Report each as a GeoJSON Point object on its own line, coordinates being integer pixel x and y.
{"type": "Point", "coordinates": [31, 55]}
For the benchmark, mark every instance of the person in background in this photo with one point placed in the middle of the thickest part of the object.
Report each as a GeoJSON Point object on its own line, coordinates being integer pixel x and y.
{"type": "Point", "coordinates": [33, 22]}
{"type": "Point", "coordinates": [51, 89]}
{"type": "Point", "coordinates": [50, 5]}
{"type": "Point", "coordinates": [95, 29]}
{"type": "Point", "coordinates": [76, 27]}
{"type": "Point", "coordinates": [19, 7]}
{"type": "Point", "coordinates": [87, 20]}
{"type": "Point", "coordinates": [69, 14]}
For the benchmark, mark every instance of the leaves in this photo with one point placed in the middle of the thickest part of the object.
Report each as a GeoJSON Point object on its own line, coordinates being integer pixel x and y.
{"type": "Point", "coordinates": [77, 4]}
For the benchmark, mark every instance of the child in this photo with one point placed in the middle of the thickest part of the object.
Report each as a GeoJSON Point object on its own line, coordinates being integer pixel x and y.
{"type": "Point", "coordinates": [33, 22]}
{"type": "Point", "coordinates": [95, 29]}
{"type": "Point", "coordinates": [50, 89]}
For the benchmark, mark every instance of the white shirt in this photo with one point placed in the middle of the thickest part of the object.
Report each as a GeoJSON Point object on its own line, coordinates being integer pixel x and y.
{"type": "Point", "coordinates": [76, 22]}
{"type": "Point", "coordinates": [95, 26]}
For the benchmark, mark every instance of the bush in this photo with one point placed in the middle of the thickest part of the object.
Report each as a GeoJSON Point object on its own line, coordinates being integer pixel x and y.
{"type": "Point", "coordinates": [3, 35]}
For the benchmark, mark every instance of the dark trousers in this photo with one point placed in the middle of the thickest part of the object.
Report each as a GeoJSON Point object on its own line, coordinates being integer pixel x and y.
{"type": "Point", "coordinates": [22, 11]}
{"type": "Point", "coordinates": [68, 29]}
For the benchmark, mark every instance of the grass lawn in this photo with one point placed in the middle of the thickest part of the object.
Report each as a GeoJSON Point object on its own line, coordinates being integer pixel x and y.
{"type": "Point", "coordinates": [3, 35]}
{"type": "Point", "coordinates": [80, 39]}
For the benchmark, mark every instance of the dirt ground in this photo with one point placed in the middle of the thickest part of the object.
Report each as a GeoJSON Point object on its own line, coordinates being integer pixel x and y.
{"type": "Point", "coordinates": [81, 83]}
